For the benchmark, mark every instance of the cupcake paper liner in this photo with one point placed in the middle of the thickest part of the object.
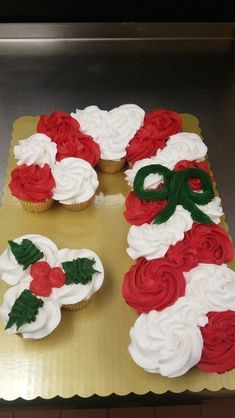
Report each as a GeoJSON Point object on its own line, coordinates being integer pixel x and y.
{"type": "Point", "coordinates": [37, 207]}
{"type": "Point", "coordinates": [111, 166]}
{"type": "Point", "coordinates": [75, 207]}
{"type": "Point", "coordinates": [76, 306]}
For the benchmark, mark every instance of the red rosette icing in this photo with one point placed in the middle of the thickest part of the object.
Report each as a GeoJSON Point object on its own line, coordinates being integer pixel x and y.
{"type": "Point", "coordinates": [78, 145]}
{"type": "Point", "coordinates": [144, 144]}
{"type": "Point", "coordinates": [165, 122]}
{"type": "Point", "coordinates": [45, 278]}
{"type": "Point", "coordinates": [158, 126]}
{"type": "Point", "coordinates": [57, 125]}
{"type": "Point", "coordinates": [153, 284]}
{"type": "Point", "coordinates": [195, 184]}
{"type": "Point", "coordinates": [140, 211]}
{"type": "Point", "coordinates": [212, 243]}
{"type": "Point", "coordinates": [183, 256]}
{"type": "Point", "coordinates": [218, 354]}
{"type": "Point", "coordinates": [32, 182]}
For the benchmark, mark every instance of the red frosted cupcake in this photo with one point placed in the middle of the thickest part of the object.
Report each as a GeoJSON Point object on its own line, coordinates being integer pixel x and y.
{"type": "Point", "coordinates": [33, 186]}
{"type": "Point", "coordinates": [153, 285]}
{"type": "Point", "coordinates": [78, 145]}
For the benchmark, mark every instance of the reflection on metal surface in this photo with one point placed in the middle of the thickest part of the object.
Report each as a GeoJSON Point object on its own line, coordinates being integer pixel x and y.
{"type": "Point", "coordinates": [119, 30]}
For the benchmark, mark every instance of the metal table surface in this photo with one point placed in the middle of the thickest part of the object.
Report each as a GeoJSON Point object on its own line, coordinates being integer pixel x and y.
{"type": "Point", "coordinates": [184, 67]}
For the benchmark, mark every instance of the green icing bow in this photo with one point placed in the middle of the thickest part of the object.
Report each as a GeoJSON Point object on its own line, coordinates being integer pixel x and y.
{"type": "Point", "coordinates": [177, 190]}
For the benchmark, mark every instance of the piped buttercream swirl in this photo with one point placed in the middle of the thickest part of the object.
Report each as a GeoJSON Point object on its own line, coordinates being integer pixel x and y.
{"type": "Point", "coordinates": [37, 149]}
{"type": "Point", "coordinates": [210, 287]}
{"type": "Point", "coordinates": [76, 181]}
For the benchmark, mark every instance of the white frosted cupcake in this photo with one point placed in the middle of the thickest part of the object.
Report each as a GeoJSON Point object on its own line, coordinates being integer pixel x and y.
{"type": "Point", "coordinates": [36, 149]}
{"type": "Point", "coordinates": [13, 267]}
{"type": "Point", "coordinates": [112, 130]}
{"type": "Point", "coordinates": [28, 316]}
{"type": "Point", "coordinates": [76, 183]}
{"type": "Point", "coordinates": [84, 277]}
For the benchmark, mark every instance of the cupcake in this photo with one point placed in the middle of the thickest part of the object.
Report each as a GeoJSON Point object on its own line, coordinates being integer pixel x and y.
{"type": "Point", "coordinates": [76, 183]}
{"type": "Point", "coordinates": [28, 316]}
{"type": "Point", "coordinates": [37, 149]}
{"type": "Point", "coordinates": [112, 131]}
{"type": "Point", "coordinates": [33, 186]}
{"type": "Point", "coordinates": [84, 277]}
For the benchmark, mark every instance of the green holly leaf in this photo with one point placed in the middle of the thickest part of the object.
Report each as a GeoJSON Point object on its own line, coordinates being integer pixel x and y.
{"type": "Point", "coordinates": [79, 271]}
{"type": "Point", "coordinates": [25, 253]}
{"type": "Point", "coordinates": [24, 310]}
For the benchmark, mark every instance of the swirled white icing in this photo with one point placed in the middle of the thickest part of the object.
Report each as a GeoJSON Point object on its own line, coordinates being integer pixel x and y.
{"type": "Point", "coordinates": [186, 145]}
{"type": "Point", "coordinates": [76, 180]}
{"type": "Point", "coordinates": [12, 272]}
{"type": "Point", "coordinates": [152, 240]}
{"type": "Point", "coordinates": [181, 146]}
{"type": "Point", "coordinates": [48, 317]}
{"type": "Point", "coordinates": [210, 287]}
{"type": "Point", "coordinates": [74, 293]}
{"type": "Point", "coordinates": [213, 209]}
{"type": "Point", "coordinates": [167, 342]}
{"type": "Point", "coordinates": [37, 149]}
{"type": "Point", "coordinates": [113, 129]}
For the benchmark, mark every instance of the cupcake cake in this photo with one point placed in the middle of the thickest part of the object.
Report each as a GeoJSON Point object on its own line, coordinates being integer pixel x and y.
{"type": "Point", "coordinates": [112, 130]}
{"type": "Point", "coordinates": [75, 183]}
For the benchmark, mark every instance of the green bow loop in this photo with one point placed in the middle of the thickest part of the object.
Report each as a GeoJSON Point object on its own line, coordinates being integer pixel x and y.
{"type": "Point", "coordinates": [177, 190]}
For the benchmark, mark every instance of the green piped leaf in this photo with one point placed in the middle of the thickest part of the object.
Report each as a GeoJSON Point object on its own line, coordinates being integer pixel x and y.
{"type": "Point", "coordinates": [24, 310]}
{"type": "Point", "coordinates": [25, 253]}
{"type": "Point", "coordinates": [79, 271]}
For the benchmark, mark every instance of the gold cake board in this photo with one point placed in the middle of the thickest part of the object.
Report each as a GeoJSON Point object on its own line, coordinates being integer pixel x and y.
{"type": "Point", "coordinates": [88, 352]}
